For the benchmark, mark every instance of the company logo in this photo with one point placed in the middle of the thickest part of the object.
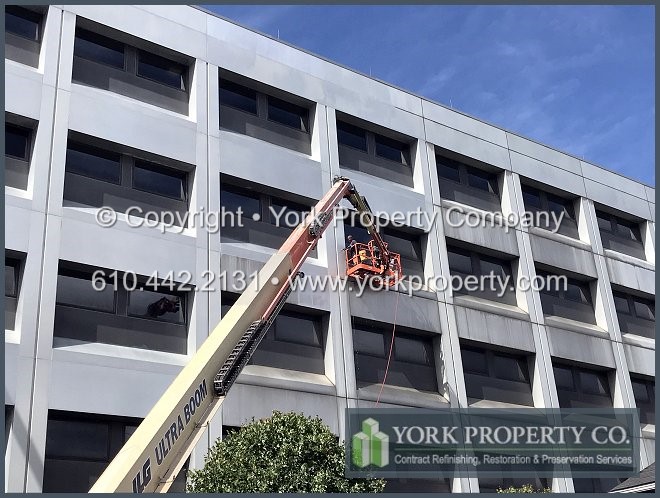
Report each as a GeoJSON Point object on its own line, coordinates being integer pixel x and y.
{"type": "Point", "coordinates": [370, 445]}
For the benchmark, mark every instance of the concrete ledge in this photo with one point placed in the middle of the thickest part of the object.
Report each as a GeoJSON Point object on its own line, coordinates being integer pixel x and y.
{"type": "Point", "coordinates": [402, 396]}
{"type": "Point", "coordinates": [581, 347]}
{"type": "Point", "coordinates": [631, 276]}
{"type": "Point", "coordinates": [259, 375]}
{"type": "Point", "coordinates": [563, 256]}
{"type": "Point", "coordinates": [640, 360]}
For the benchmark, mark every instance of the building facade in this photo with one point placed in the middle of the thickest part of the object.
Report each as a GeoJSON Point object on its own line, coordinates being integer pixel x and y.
{"type": "Point", "coordinates": [172, 109]}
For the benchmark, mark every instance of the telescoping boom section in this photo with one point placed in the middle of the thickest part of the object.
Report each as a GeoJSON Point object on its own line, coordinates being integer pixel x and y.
{"type": "Point", "coordinates": [155, 453]}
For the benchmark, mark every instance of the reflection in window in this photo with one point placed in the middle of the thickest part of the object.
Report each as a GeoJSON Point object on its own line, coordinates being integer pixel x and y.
{"type": "Point", "coordinates": [22, 22]}
{"type": "Point", "coordinates": [157, 305]}
{"type": "Point", "coordinates": [238, 96]}
{"type": "Point", "coordinates": [288, 114]}
{"type": "Point", "coordinates": [92, 162]}
{"type": "Point", "coordinates": [154, 178]}
{"type": "Point", "coordinates": [17, 140]}
{"type": "Point", "coordinates": [351, 136]}
{"type": "Point", "coordinates": [391, 149]}
{"type": "Point", "coordinates": [98, 48]}
{"type": "Point", "coordinates": [235, 198]}
{"type": "Point", "coordinates": [162, 70]}
{"type": "Point", "coordinates": [77, 290]}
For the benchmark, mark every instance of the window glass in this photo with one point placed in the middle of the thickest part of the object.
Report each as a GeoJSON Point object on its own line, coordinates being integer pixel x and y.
{"type": "Point", "coordinates": [164, 306]}
{"type": "Point", "coordinates": [10, 277]}
{"type": "Point", "coordinates": [233, 198]}
{"type": "Point", "coordinates": [593, 383]}
{"type": "Point", "coordinates": [78, 291]}
{"type": "Point", "coordinates": [558, 205]}
{"type": "Point", "coordinates": [352, 136]}
{"type": "Point", "coordinates": [564, 378]}
{"type": "Point", "coordinates": [17, 139]}
{"type": "Point", "coordinates": [288, 114]}
{"type": "Point", "coordinates": [621, 303]}
{"type": "Point", "coordinates": [482, 180]}
{"type": "Point", "coordinates": [297, 329]}
{"type": "Point", "coordinates": [531, 197]}
{"type": "Point", "coordinates": [407, 245]}
{"type": "Point", "coordinates": [628, 230]}
{"type": "Point", "coordinates": [156, 179]}
{"type": "Point", "coordinates": [77, 439]}
{"type": "Point", "coordinates": [413, 350]}
{"type": "Point", "coordinates": [22, 22]}
{"type": "Point", "coordinates": [644, 309]}
{"type": "Point", "coordinates": [95, 163]}
{"type": "Point", "coordinates": [640, 391]}
{"type": "Point", "coordinates": [448, 170]}
{"type": "Point", "coordinates": [98, 48]}
{"type": "Point", "coordinates": [128, 431]}
{"type": "Point", "coordinates": [493, 267]}
{"type": "Point", "coordinates": [365, 341]}
{"type": "Point", "coordinates": [576, 292]}
{"type": "Point", "coordinates": [604, 222]}
{"type": "Point", "coordinates": [391, 149]}
{"type": "Point", "coordinates": [510, 368]}
{"type": "Point", "coordinates": [238, 96]}
{"type": "Point", "coordinates": [459, 261]}
{"type": "Point", "coordinates": [162, 70]}
{"type": "Point", "coordinates": [474, 361]}
{"type": "Point", "coordinates": [288, 214]}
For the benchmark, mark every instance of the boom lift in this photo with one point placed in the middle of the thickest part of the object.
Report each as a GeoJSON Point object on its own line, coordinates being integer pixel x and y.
{"type": "Point", "coordinates": [157, 450]}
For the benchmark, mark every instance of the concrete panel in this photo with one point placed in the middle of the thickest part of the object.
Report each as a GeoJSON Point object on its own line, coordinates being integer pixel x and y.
{"type": "Point", "coordinates": [640, 360]}
{"type": "Point", "coordinates": [22, 90]}
{"type": "Point", "coordinates": [564, 256]}
{"type": "Point", "coordinates": [414, 312]}
{"type": "Point", "coordinates": [631, 276]}
{"type": "Point", "coordinates": [543, 153]}
{"type": "Point", "coordinates": [261, 162]}
{"type": "Point", "coordinates": [397, 397]}
{"type": "Point", "coordinates": [128, 388]}
{"type": "Point", "coordinates": [467, 145]}
{"type": "Point", "coordinates": [464, 123]}
{"type": "Point", "coordinates": [191, 17]}
{"type": "Point", "coordinates": [613, 180]}
{"type": "Point", "coordinates": [17, 221]}
{"type": "Point", "coordinates": [543, 172]}
{"type": "Point", "coordinates": [494, 329]}
{"type": "Point", "coordinates": [246, 401]}
{"type": "Point", "coordinates": [11, 363]}
{"type": "Point", "coordinates": [586, 348]}
{"type": "Point", "coordinates": [493, 237]}
{"type": "Point", "coordinates": [130, 122]}
{"type": "Point", "coordinates": [604, 194]}
{"type": "Point", "coordinates": [650, 194]}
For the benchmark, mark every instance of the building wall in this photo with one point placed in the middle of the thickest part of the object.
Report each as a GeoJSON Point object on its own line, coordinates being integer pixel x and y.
{"type": "Point", "coordinates": [114, 380]}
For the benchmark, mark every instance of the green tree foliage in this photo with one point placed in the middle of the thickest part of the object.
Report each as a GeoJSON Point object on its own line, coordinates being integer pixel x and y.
{"type": "Point", "coordinates": [525, 488]}
{"type": "Point", "coordinates": [286, 453]}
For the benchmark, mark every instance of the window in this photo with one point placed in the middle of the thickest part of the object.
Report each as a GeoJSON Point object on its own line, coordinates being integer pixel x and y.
{"type": "Point", "coordinates": [106, 174]}
{"type": "Point", "coordinates": [18, 150]}
{"type": "Point", "coordinates": [283, 120]}
{"type": "Point", "coordinates": [412, 365]}
{"type": "Point", "coordinates": [581, 387]}
{"type": "Point", "coordinates": [129, 311]}
{"type": "Point", "coordinates": [295, 340]}
{"type": "Point", "coordinates": [636, 314]}
{"type": "Point", "coordinates": [80, 446]}
{"type": "Point", "coordinates": [496, 376]}
{"type": "Point", "coordinates": [12, 274]}
{"type": "Point", "coordinates": [555, 207]}
{"type": "Point", "coordinates": [494, 271]}
{"type": "Point", "coordinates": [407, 244]}
{"type": "Point", "coordinates": [384, 154]}
{"type": "Point", "coordinates": [620, 235]}
{"type": "Point", "coordinates": [467, 184]}
{"type": "Point", "coordinates": [161, 70]}
{"type": "Point", "coordinates": [566, 297]}
{"type": "Point", "coordinates": [23, 33]}
{"type": "Point", "coordinates": [120, 63]}
{"type": "Point", "coordinates": [644, 392]}
{"type": "Point", "coordinates": [266, 219]}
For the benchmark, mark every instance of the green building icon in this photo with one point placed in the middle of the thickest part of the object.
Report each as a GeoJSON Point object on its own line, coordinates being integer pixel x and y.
{"type": "Point", "coordinates": [370, 446]}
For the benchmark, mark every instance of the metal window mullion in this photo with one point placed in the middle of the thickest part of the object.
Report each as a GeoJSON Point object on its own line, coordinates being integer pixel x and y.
{"type": "Point", "coordinates": [371, 143]}
{"type": "Point", "coordinates": [126, 164]}
{"type": "Point", "coordinates": [130, 59]}
{"type": "Point", "coordinates": [262, 106]}
{"type": "Point", "coordinates": [121, 296]}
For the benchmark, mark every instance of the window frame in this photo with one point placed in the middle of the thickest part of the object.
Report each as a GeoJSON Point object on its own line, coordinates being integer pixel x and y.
{"type": "Point", "coordinates": [282, 104]}
{"type": "Point", "coordinates": [24, 13]}
{"type": "Point", "coordinates": [25, 131]}
{"type": "Point", "coordinates": [634, 227]}
{"type": "Point", "coordinates": [106, 42]}
{"type": "Point", "coordinates": [99, 153]}
{"type": "Point", "coordinates": [464, 172]}
{"type": "Point", "coordinates": [241, 88]}
{"type": "Point", "coordinates": [489, 358]}
{"type": "Point", "coordinates": [183, 77]}
{"type": "Point", "coordinates": [578, 389]}
{"type": "Point", "coordinates": [154, 167]}
{"type": "Point", "coordinates": [371, 138]}
{"type": "Point", "coordinates": [560, 294]}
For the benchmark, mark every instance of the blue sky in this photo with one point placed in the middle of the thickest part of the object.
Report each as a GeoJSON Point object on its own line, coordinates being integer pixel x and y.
{"type": "Point", "coordinates": [578, 78]}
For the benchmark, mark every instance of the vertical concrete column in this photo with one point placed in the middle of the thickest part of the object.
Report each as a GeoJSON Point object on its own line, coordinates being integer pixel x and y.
{"type": "Point", "coordinates": [544, 390]}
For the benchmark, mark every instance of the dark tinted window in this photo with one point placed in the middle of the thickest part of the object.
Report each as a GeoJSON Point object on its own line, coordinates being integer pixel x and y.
{"type": "Point", "coordinates": [162, 70]}
{"type": "Point", "coordinates": [156, 179]}
{"type": "Point", "coordinates": [459, 261]}
{"type": "Point", "coordinates": [645, 309]}
{"type": "Point", "coordinates": [510, 368]}
{"type": "Point", "coordinates": [288, 214]}
{"type": "Point", "coordinates": [17, 140]}
{"type": "Point", "coordinates": [161, 305]}
{"type": "Point", "coordinates": [640, 391]}
{"type": "Point", "coordinates": [413, 351]}
{"type": "Point", "coordinates": [593, 383]}
{"type": "Point", "coordinates": [95, 163]}
{"type": "Point", "coordinates": [628, 230]}
{"type": "Point", "coordinates": [85, 440]}
{"type": "Point", "coordinates": [482, 180]}
{"type": "Point", "coordinates": [288, 114]}
{"type": "Point", "coordinates": [577, 292]}
{"type": "Point", "coordinates": [232, 198]}
{"type": "Point", "coordinates": [564, 378]}
{"type": "Point", "coordinates": [558, 205]}
{"type": "Point", "coordinates": [391, 149]}
{"type": "Point", "coordinates": [621, 303]}
{"type": "Point", "coordinates": [22, 22]}
{"type": "Point", "coordinates": [77, 290]}
{"type": "Point", "coordinates": [644, 392]}
{"type": "Point", "coordinates": [11, 277]}
{"type": "Point", "coordinates": [604, 222]}
{"type": "Point", "coordinates": [531, 197]}
{"type": "Point", "coordinates": [238, 96]}
{"type": "Point", "coordinates": [489, 266]}
{"type": "Point", "coordinates": [98, 48]}
{"type": "Point", "coordinates": [369, 342]}
{"type": "Point", "coordinates": [448, 169]}
{"type": "Point", "coordinates": [582, 387]}
{"type": "Point", "coordinates": [297, 329]}
{"type": "Point", "coordinates": [474, 360]}
{"type": "Point", "coordinates": [352, 136]}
